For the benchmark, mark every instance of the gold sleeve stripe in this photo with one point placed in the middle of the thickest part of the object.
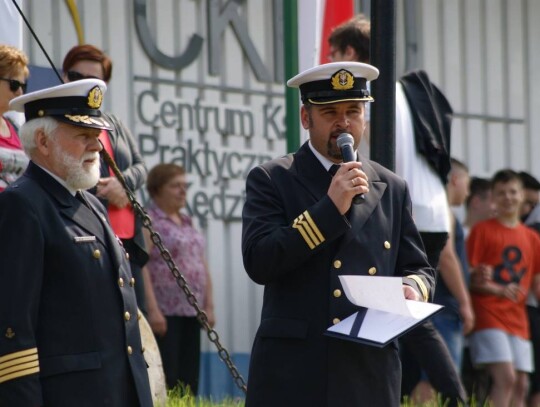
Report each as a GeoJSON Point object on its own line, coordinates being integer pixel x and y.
{"type": "Point", "coordinates": [421, 285]}
{"type": "Point", "coordinates": [28, 370]}
{"type": "Point", "coordinates": [19, 354]}
{"type": "Point", "coordinates": [314, 226]}
{"type": "Point", "coordinates": [18, 361]}
{"type": "Point", "coordinates": [18, 368]}
{"type": "Point", "coordinates": [298, 225]}
{"type": "Point", "coordinates": [308, 229]}
{"type": "Point", "coordinates": [18, 364]}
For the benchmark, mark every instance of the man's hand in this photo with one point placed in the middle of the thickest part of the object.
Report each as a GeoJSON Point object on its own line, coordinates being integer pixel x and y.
{"type": "Point", "coordinates": [349, 181]}
{"type": "Point", "coordinates": [512, 291]}
{"type": "Point", "coordinates": [481, 274]}
{"type": "Point", "coordinates": [411, 294]}
{"type": "Point", "coordinates": [111, 189]}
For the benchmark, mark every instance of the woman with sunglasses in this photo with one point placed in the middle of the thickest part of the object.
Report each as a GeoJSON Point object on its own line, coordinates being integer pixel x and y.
{"type": "Point", "coordinates": [13, 75]}
{"type": "Point", "coordinates": [88, 61]}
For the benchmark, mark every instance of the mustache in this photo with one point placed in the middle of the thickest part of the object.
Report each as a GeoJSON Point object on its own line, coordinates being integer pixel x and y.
{"type": "Point", "coordinates": [336, 133]}
{"type": "Point", "coordinates": [90, 156]}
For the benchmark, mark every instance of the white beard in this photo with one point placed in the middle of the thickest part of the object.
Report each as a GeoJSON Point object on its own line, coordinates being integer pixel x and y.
{"type": "Point", "coordinates": [78, 177]}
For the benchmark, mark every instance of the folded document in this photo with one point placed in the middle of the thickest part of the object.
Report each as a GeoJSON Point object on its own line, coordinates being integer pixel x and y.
{"type": "Point", "coordinates": [383, 315]}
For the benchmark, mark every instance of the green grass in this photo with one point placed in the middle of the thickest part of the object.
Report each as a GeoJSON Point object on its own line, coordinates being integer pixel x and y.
{"type": "Point", "coordinates": [441, 403]}
{"type": "Point", "coordinates": [190, 401]}
{"type": "Point", "coordinates": [181, 397]}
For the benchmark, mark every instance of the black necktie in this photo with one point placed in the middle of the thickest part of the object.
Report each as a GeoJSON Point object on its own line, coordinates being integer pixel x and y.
{"type": "Point", "coordinates": [333, 169]}
{"type": "Point", "coordinates": [81, 199]}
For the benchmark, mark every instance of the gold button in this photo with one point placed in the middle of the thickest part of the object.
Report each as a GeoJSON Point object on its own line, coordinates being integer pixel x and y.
{"type": "Point", "coordinates": [97, 254]}
{"type": "Point", "coordinates": [132, 282]}
{"type": "Point", "coordinates": [337, 264]}
{"type": "Point", "coordinates": [127, 255]}
{"type": "Point", "coordinates": [40, 113]}
{"type": "Point", "coordinates": [336, 321]}
{"type": "Point", "coordinates": [129, 350]}
{"type": "Point", "coordinates": [10, 333]}
{"type": "Point", "coordinates": [387, 245]}
{"type": "Point", "coordinates": [139, 315]}
{"type": "Point", "coordinates": [127, 316]}
{"type": "Point", "coordinates": [121, 282]}
{"type": "Point", "coordinates": [337, 293]}
{"type": "Point", "coordinates": [372, 271]}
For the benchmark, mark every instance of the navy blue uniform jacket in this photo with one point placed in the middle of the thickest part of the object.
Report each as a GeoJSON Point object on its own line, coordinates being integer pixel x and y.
{"type": "Point", "coordinates": [296, 243]}
{"type": "Point", "coordinates": [69, 334]}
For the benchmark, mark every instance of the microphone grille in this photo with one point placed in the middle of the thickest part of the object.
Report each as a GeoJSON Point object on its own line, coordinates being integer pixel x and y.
{"type": "Point", "coordinates": [344, 139]}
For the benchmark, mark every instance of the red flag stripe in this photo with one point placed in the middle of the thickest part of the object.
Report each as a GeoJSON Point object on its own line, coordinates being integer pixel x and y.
{"type": "Point", "coordinates": [335, 13]}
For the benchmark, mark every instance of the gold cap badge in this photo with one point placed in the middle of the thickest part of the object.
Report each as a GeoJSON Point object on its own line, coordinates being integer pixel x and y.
{"type": "Point", "coordinates": [342, 80]}
{"type": "Point", "coordinates": [95, 97]}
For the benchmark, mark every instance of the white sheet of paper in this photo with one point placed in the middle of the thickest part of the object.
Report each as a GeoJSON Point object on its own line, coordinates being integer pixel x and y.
{"type": "Point", "coordinates": [382, 293]}
{"type": "Point", "coordinates": [388, 313]}
{"type": "Point", "coordinates": [377, 326]}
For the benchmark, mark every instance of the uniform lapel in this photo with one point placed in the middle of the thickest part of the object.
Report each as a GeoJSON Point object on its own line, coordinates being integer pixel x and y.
{"type": "Point", "coordinates": [311, 172]}
{"type": "Point", "coordinates": [85, 218]}
{"type": "Point", "coordinates": [112, 242]}
{"type": "Point", "coordinates": [68, 205]}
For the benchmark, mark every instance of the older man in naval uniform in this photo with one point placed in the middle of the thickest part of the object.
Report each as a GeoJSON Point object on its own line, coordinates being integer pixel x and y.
{"type": "Point", "coordinates": [69, 334]}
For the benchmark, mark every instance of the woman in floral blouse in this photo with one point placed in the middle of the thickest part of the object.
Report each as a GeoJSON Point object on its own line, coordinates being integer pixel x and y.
{"type": "Point", "coordinates": [171, 317]}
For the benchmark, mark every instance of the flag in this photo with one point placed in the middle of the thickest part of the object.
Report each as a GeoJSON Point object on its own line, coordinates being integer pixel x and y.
{"type": "Point", "coordinates": [316, 19]}
{"type": "Point", "coordinates": [335, 13]}
{"type": "Point", "coordinates": [10, 24]}
{"type": "Point", "coordinates": [309, 26]}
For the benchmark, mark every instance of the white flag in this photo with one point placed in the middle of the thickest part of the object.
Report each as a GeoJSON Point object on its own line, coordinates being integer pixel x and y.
{"type": "Point", "coordinates": [10, 24]}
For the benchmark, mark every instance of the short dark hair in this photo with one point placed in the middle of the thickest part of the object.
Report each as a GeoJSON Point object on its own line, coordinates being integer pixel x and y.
{"type": "Point", "coordinates": [160, 174]}
{"type": "Point", "coordinates": [529, 182]}
{"type": "Point", "coordinates": [478, 187]}
{"type": "Point", "coordinates": [504, 176]}
{"type": "Point", "coordinates": [355, 32]}
{"type": "Point", "coordinates": [88, 52]}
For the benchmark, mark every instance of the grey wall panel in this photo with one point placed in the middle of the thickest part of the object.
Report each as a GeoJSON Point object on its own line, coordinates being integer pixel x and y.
{"type": "Point", "coordinates": [480, 53]}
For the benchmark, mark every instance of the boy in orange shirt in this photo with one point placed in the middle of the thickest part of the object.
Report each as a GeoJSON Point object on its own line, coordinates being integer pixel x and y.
{"type": "Point", "coordinates": [505, 256]}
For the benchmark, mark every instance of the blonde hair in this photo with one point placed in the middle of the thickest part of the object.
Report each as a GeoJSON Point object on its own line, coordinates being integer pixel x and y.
{"type": "Point", "coordinates": [12, 61]}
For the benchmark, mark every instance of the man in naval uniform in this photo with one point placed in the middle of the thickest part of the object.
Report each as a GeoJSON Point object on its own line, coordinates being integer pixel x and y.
{"type": "Point", "coordinates": [69, 334]}
{"type": "Point", "coordinates": [301, 231]}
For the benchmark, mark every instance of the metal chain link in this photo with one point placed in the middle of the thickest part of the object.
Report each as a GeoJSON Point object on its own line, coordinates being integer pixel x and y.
{"type": "Point", "coordinates": [180, 280]}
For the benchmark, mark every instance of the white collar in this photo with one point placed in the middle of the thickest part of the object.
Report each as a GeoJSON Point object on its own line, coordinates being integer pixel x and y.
{"type": "Point", "coordinates": [326, 163]}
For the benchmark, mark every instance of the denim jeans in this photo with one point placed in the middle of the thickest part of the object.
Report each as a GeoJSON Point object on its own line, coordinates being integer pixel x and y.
{"type": "Point", "coordinates": [450, 327]}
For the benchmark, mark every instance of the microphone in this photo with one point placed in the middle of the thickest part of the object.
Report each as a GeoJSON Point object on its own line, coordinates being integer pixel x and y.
{"type": "Point", "coordinates": [345, 143]}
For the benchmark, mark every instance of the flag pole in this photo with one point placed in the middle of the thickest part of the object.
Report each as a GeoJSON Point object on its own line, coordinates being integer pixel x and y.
{"type": "Point", "coordinates": [292, 111]}
{"type": "Point", "coordinates": [383, 56]}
